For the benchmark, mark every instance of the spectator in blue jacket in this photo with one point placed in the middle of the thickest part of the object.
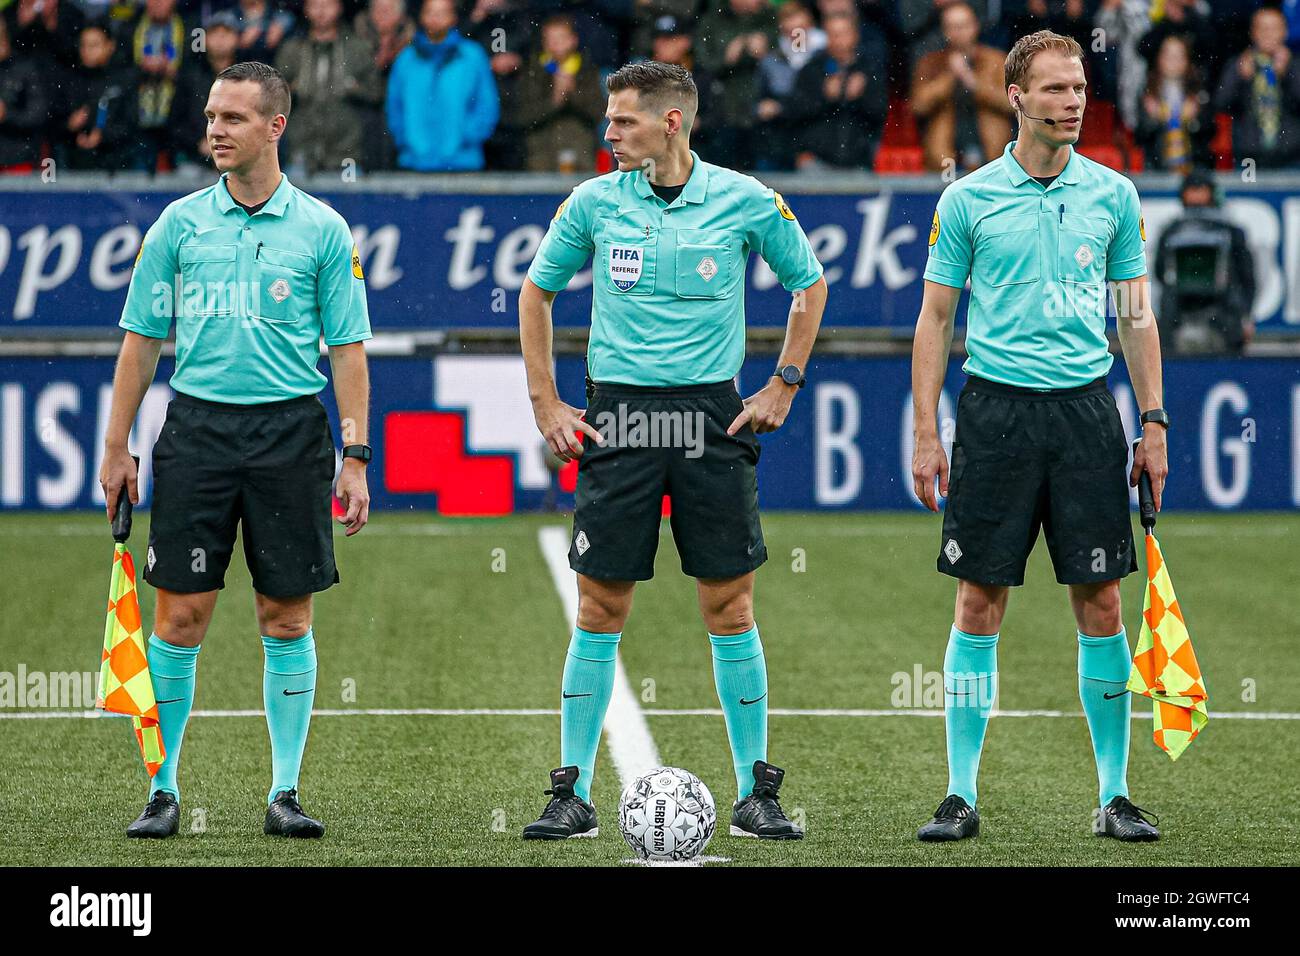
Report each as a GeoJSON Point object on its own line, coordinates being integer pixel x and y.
{"type": "Point", "coordinates": [442, 98]}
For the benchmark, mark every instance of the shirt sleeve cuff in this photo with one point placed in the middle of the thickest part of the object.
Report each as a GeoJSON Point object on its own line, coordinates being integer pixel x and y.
{"type": "Point", "coordinates": [132, 326]}
{"type": "Point", "coordinates": [1123, 271]}
{"type": "Point", "coordinates": [547, 284]}
{"type": "Point", "coordinates": [349, 339]}
{"type": "Point", "coordinates": [804, 282]}
{"type": "Point", "coordinates": [946, 274]}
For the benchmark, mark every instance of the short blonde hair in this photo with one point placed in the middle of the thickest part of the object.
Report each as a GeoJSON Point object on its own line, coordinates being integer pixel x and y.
{"type": "Point", "coordinates": [1016, 71]}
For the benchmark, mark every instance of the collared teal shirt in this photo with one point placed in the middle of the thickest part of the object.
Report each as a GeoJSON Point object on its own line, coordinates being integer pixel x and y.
{"type": "Point", "coordinates": [251, 295]}
{"type": "Point", "coordinates": [668, 300]}
{"type": "Point", "coordinates": [1038, 261]}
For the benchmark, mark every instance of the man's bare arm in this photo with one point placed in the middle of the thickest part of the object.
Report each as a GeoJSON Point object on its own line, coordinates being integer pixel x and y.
{"type": "Point", "coordinates": [807, 306]}
{"type": "Point", "coordinates": [352, 394]}
{"type": "Point", "coordinates": [930, 349]}
{"type": "Point", "coordinates": [137, 361]}
{"type": "Point", "coordinates": [559, 423]}
{"type": "Point", "coordinates": [1139, 339]}
{"type": "Point", "coordinates": [766, 409]}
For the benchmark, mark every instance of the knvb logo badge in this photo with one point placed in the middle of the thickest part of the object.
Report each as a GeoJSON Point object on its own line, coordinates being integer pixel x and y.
{"type": "Point", "coordinates": [624, 266]}
{"type": "Point", "coordinates": [707, 268]}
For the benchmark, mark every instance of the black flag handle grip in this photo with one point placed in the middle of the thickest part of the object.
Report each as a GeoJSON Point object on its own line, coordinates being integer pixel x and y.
{"type": "Point", "coordinates": [1146, 500]}
{"type": "Point", "coordinates": [122, 517]}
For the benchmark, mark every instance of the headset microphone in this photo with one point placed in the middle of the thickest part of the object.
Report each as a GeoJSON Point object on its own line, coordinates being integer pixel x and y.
{"type": "Point", "coordinates": [1041, 119]}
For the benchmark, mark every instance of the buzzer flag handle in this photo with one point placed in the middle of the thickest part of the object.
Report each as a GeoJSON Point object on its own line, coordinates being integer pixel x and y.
{"type": "Point", "coordinates": [1146, 500]}
{"type": "Point", "coordinates": [122, 517]}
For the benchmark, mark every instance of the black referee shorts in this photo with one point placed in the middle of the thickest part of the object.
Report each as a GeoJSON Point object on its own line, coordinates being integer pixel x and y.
{"type": "Point", "coordinates": [269, 467]}
{"type": "Point", "coordinates": [1024, 459]}
{"type": "Point", "coordinates": [666, 441]}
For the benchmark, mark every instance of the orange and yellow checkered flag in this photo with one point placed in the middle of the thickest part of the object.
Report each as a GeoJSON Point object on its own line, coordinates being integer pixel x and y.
{"type": "Point", "coordinates": [125, 686]}
{"type": "Point", "coordinates": [1164, 666]}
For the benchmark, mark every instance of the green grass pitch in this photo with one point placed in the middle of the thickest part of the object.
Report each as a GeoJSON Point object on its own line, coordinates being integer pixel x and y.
{"type": "Point", "coordinates": [462, 615]}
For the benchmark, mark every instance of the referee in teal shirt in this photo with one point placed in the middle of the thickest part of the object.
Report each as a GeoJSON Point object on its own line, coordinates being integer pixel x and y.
{"type": "Point", "coordinates": [668, 236]}
{"type": "Point", "coordinates": [253, 272]}
{"type": "Point", "coordinates": [1040, 232]}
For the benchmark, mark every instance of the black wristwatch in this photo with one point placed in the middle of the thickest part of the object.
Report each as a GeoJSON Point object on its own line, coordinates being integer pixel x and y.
{"type": "Point", "coordinates": [1157, 415]}
{"type": "Point", "coordinates": [357, 451]}
{"type": "Point", "coordinates": [790, 374]}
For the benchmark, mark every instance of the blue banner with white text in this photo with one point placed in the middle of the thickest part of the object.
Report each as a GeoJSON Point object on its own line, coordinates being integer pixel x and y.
{"type": "Point", "coordinates": [455, 434]}
{"type": "Point", "coordinates": [454, 260]}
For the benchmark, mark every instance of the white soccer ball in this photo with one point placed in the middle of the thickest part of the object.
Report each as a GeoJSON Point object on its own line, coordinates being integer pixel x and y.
{"type": "Point", "coordinates": [667, 814]}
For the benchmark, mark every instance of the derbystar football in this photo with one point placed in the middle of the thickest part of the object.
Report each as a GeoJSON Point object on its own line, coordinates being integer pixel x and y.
{"type": "Point", "coordinates": [667, 814]}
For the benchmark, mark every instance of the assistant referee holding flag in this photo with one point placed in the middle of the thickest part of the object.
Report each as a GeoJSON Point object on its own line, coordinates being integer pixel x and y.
{"type": "Point", "coordinates": [253, 271]}
{"type": "Point", "coordinates": [669, 237]}
{"type": "Point", "coordinates": [1039, 442]}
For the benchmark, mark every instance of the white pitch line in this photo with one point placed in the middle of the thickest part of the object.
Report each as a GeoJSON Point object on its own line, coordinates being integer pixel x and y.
{"type": "Point", "coordinates": [644, 712]}
{"type": "Point", "coordinates": [628, 734]}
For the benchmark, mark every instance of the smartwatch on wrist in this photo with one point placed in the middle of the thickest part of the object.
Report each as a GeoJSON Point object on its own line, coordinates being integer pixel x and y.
{"type": "Point", "coordinates": [361, 452]}
{"type": "Point", "coordinates": [790, 374]}
{"type": "Point", "coordinates": [1157, 415]}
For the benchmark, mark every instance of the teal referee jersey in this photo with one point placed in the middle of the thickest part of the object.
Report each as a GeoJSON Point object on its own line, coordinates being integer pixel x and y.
{"type": "Point", "coordinates": [668, 298]}
{"type": "Point", "coordinates": [1038, 260]}
{"type": "Point", "coordinates": [251, 296]}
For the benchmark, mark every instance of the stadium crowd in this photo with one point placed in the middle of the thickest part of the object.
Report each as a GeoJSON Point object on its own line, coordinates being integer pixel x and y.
{"type": "Point", "coordinates": [436, 85]}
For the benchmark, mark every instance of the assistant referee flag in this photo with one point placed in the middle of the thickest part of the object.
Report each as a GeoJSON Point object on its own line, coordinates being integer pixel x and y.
{"type": "Point", "coordinates": [125, 685]}
{"type": "Point", "coordinates": [1164, 666]}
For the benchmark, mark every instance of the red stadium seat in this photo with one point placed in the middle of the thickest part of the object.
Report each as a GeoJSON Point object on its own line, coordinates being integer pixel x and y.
{"type": "Point", "coordinates": [900, 160]}
{"type": "Point", "coordinates": [1099, 127]}
{"type": "Point", "coordinates": [1221, 145]}
{"type": "Point", "coordinates": [1105, 154]}
{"type": "Point", "coordinates": [900, 125]}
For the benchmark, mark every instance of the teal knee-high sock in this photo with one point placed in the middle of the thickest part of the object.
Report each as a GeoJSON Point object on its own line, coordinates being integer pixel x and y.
{"type": "Point", "coordinates": [1103, 673]}
{"type": "Point", "coordinates": [740, 674]}
{"type": "Point", "coordinates": [970, 685]}
{"type": "Point", "coordinates": [172, 668]}
{"type": "Point", "coordinates": [588, 683]}
{"type": "Point", "coordinates": [288, 688]}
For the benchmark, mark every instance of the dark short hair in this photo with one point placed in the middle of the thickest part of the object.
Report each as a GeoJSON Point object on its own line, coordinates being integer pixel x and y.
{"type": "Point", "coordinates": [1201, 178]}
{"type": "Point", "coordinates": [275, 91]}
{"type": "Point", "coordinates": [659, 85]}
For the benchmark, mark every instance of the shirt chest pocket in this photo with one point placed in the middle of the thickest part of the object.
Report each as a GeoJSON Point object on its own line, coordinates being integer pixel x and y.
{"type": "Point", "coordinates": [286, 284]}
{"type": "Point", "coordinates": [208, 286]}
{"type": "Point", "coordinates": [705, 265]}
{"type": "Point", "coordinates": [629, 259]}
{"type": "Point", "coordinates": [1010, 249]}
{"type": "Point", "coordinates": [1081, 249]}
